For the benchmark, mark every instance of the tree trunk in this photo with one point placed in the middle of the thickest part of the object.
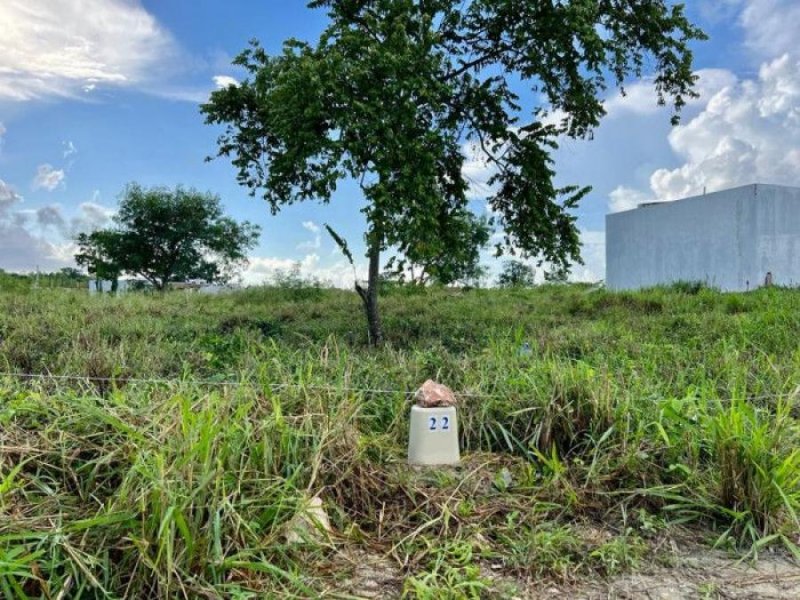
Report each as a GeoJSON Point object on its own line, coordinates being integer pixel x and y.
{"type": "Point", "coordinates": [369, 297]}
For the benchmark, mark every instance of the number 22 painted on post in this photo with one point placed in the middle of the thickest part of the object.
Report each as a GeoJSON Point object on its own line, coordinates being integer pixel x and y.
{"type": "Point", "coordinates": [439, 423]}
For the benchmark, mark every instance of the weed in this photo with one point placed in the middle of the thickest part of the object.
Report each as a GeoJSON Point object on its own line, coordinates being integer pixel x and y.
{"type": "Point", "coordinates": [451, 572]}
{"type": "Point", "coordinates": [667, 405]}
{"type": "Point", "coordinates": [544, 551]}
{"type": "Point", "coordinates": [618, 555]}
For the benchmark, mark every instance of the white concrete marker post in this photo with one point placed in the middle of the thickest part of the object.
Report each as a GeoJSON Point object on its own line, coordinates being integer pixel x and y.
{"type": "Point", "coordinates": [433, 438]}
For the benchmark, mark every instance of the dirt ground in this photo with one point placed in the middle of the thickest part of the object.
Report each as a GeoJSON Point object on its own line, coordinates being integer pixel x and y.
{"type": "Point", "coordinates": [680, 573]}
{"type": "Point", "coordinates": [694, 574]}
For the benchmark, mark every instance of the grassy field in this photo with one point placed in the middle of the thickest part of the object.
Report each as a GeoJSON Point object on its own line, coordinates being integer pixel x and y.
{"type": "Point", "coordinates": [211, 422]}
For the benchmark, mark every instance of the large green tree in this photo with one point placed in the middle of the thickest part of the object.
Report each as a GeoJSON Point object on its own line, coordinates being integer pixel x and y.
{"type": "Point", "coordinates": [98, 252]}
{"type": "Point", "coordinates": [167, 235]}
{"type": "Point", "coordinates": [393, 90]}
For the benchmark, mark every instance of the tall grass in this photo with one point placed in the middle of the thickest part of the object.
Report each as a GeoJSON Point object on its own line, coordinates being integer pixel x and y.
{"type": "Point", "coordinates": [668, 405]}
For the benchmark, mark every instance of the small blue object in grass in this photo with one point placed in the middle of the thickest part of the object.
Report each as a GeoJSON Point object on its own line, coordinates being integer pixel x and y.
{"type": "Point", "coordinates": [525, 349]}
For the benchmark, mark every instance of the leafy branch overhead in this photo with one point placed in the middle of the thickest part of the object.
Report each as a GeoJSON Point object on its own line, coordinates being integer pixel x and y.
{"type": "Point", "coordinates": [394, 89]}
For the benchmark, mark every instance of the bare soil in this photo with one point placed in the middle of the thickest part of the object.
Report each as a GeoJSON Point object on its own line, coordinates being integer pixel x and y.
{"type": "Point", "coordinates": [688, 572]}
{"type": "Point", "coordinates": [695, 573]}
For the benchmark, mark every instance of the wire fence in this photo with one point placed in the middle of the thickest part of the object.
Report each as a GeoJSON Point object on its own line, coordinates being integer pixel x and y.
{"type": "Point", "coordinates": [274, 387]}
{"type": "Point", "coordinates": [278, 387]}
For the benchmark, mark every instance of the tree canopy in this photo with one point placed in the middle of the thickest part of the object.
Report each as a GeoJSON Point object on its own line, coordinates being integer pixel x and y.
{"type": "Point", "coordinates": [394, 89]}
{"type": "Point", "coordinates": [516, 274]}
{"type": "Point", "coordinates": [459, 262]}
{"type": "Point", "coordinates": [166, 235]}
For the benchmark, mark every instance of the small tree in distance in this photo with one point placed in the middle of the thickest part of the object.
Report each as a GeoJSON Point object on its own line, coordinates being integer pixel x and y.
{"type": "Point", "coordinates": [166, 235]}
{"type": "Point", "coordinates": [557, 274]}
{"type": "Point", "coordinates": [516, 274]}
{"type": "Point", "coordinates": [459, 263]}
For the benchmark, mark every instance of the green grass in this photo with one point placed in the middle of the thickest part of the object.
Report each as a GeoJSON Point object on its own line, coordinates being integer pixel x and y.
{"type": "Point", "coordinates": [634, 414]}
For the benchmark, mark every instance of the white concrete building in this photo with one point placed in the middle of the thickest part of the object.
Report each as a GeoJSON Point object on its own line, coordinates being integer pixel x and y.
{"type": "Point", "coordinates": [732, 240]}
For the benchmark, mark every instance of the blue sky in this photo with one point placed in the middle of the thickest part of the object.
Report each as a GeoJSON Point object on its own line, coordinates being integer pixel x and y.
{"type": "Point", "coordinates": [100, 93]}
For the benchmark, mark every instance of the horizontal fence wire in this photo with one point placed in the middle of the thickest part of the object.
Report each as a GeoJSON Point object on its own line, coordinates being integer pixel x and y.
{"type": "Point", "coordinates": [277, 387]}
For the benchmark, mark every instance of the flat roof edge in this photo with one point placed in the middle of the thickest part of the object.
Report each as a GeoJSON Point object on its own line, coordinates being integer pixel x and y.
{"type": "Point", "coordinates": [754, 186]}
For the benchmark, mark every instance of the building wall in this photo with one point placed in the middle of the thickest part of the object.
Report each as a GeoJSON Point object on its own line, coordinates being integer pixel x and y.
{"type": "Point", "coordinates": [728, 239]}
{"type": "Point", "coordinates": [776, 247]}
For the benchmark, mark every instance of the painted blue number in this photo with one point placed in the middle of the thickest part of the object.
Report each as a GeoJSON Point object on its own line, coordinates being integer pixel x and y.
{"type": "Point", "coordinates": [439, 423]}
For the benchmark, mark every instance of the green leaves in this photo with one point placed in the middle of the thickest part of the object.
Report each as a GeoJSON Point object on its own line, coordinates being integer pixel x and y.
{"type": "Point", "coordinates": [516, 274]}
{"type": "Point", "coordinates": [394, 89]}
{"type": "Point", "coordinates": [96, 253]}
{"type": "Point", "coordinates": [168, 235]}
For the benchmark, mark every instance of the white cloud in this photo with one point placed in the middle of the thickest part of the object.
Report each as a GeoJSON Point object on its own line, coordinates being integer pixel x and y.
{"type": "Point", "coordinates": [21, 250]}
{"type": "Point", "coordinates": [625, 198]}
{"type": "Point", "coordinates": [50, 216]}
{"type": "Point", "coordinates": [8, 197]}
{"type": "Point", "coordinates": [31, 238]}
{"type": "Point", "coordinates": [310, 244]}
{"type": "Point", "coordinates": [22, 218]}
{"type": "Point", "coordinates": [641, 99]}
{"type": "Point", "coordinates": [311, 226]}
{"type": "Point", "coordinates": [478, 169]}
{"type": "Point", "coordinates": [771, 26]}
{"type": "Point", "coordinates": [316, 242]}
{"type": "Point", "coordinates": [223, 81]}
{"type": "Point", "coordinates": [747, 133]}
{"type": "Point", "coordinates": [338, 273]}
{"type": "Point", "coordinates": [748, 129]}
{"type": "Point", "coordinates": [69, 149]}
{"type": "Point", "coordinates": [2, 133]}
{"type": "Point", "coordinates": [91, 216]}
{"type": "Point", "coordinates": [185, 94]}
{"type": "Point", "coordinates": [716, 11]}
{"type": "Point", "coordinates": [264, 269]}
{"type": "Point", "coordinates": [62, 48]}
{"type": "Point", "coordinates": [48, 178]}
